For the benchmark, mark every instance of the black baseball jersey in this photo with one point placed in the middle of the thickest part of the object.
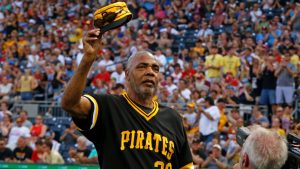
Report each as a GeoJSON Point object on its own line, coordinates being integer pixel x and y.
{"type": "Point", "coordinates": [127, 135]}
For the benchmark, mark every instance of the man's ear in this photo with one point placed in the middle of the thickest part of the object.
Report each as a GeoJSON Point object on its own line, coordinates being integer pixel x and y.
{"type": "Point", "coordinates": [245, 162]}
{"type": "Point", "coordinates": [126, 74]}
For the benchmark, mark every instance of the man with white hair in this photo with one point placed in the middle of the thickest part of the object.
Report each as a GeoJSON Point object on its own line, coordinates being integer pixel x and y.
{"type": "Point", "coordinates": [263, 149]}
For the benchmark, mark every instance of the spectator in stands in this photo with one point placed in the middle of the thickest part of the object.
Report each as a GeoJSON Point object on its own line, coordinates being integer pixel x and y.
{"type": "Point", "coordinates": [190, 114]}
{"type": "Point", "coordinates": [233, 117]}
{"type": "Point", "coordinates": [5, 125]}
{"type": "Point", "coordinates": [70, 135]}
{"type": "Point", "coordinates": [213, 65]}
{"type": "Point", "coordinates": [22, 153]}
{"type": "Point", "coordinates": [81, 153]}
{"type": "Point", "coordinates": [233, 150]}
{"type": "Point", "coordinates": [205, 33]}
{"type": "Point", "coordinates": [23, 115]}
{"type": "Point", "coordinates": [268, 80]}
{"type": "Point", "coordinates": [6, 89]}
{"type": "Point", "coordinates": [176, 98]}
{"type": "Point", "coordinates": [287, 118]}
{"type": "Point", "coordinates": [215, 159]}
{"type": "Point", "coordinates": [276, 126]}
{"type": "Point", "coordinates": [118, 89]}
{"type": "Point", "coordinates": [16, 132]}
{"type": "Point", "coordinates": [107, 62]}
{"type": "Point", "coordinates": [92, 158]}
{"type": "Point", "coordinates": [297, 129]}
{"type": "Point", "coordinates": [255, 13]}
{"type": "Point", "coordinates": [218, 19]}
{"type": "Point", "coordinates": [49, 136]}
{"type": "Point", "coordinates": [183, 90]}
{"type": "Point", "coordinates": [103, 75]}
{"type": "Point", "coordinates": [231, 63]}
{"type": "Point", "coordinates": [170, 84]}
{"type": "Point", "coordinates": [6, 155]}
{"type": "Point", "coordinates": [27, 84]}
{"type": "Point", "coordinates": [37, 154]}
{"type": "Point", "coordinates": [161, 58]}
{"type": "Point", "coordinates": [51, 156]}
{"type": "Point", "coordinates": [223, 117]}
{"type": "Point", "coordinates": [247, 95]}
{"type": "Point", "coordinates": [39, 129]}
{"type": "Point", "coordinates": [285, 81]}
{"type": "Point", "coordinates": [118, 74]}
{"type": "Point", "coordinates": [177, 74]}
{"type": "Point", "coordinates": [208, 118]}
{"type": "Point", "coordinates": [229, 96]}
{"type": "Point", "coordinates": [60, 78]}
{"type": "Point", "coordinates": [4, 110]}
{"type": "Point", "coordinates": [258, 118]}
{"type": "Point", "coordinates": [198, 152]}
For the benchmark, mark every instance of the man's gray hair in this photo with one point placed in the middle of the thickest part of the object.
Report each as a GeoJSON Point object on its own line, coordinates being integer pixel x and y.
{"type": "Point", "coordinates": [137, 54]}
{"type": "Point", "coordinates": [265, 149]}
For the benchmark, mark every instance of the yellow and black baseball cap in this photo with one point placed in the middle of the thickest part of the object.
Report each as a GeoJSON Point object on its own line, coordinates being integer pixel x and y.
{"type": "Point", "coordinates": [112, 16]}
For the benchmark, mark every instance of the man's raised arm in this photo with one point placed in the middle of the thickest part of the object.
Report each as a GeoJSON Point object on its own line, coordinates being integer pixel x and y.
{"type": "Point", "coordinates": [72, 100]}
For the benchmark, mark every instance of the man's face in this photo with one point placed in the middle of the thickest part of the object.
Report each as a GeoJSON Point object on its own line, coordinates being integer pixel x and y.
{"type": "Point", "coordinates": [21, 142]}
{"type": "Point", "coordinates": [216, 152]}
{"type": "Point", "coordinates": [23, 115]}
{"type": "Point", "coordinates": [143, 76]}
{"type": "Point", "coordinates": [39, 148]}
{"type": "Point", "coordinates": [213, 51]}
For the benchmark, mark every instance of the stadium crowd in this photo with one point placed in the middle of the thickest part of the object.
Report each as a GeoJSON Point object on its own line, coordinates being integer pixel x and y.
{"type": "Point", "coordinates": [222, 61]}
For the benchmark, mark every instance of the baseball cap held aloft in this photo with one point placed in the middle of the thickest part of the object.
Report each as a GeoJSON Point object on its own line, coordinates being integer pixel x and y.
{"type": "Point", "coordinates": [112, 16]}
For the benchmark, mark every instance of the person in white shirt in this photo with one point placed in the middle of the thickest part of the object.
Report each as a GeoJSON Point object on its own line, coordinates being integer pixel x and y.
{"type": "Point", "coordinates": [170, 84]}
{"type": "Point", "coordinates": [205, 32]}
{"type": "Point", "coordinates": [109, 64]}
{"type": "Point", "coordinates": [255, 13]}
{"type": "Point", "coordinates": [177, 74]}
{"type": "Point", "coordinates": [162, 59]}
{"type": "Point", "coordinates": [33, 58]}
{"type": "Point", "coordinates": [209, 119]}
{"type": "Point", "coordinates": [119, 74]}
{"type": "Point", "coordinates": [16, 132]}
{"type": "Point", "coordinates": [184, 91]}
{"type": "Point", "coordinates": [5, 89]}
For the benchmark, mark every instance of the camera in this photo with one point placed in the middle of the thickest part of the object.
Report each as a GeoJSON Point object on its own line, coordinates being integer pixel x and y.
{"type": "Point", "coordinates": [293, 143]}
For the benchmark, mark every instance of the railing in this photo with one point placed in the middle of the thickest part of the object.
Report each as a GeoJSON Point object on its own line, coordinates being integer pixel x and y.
{"type": "Point", "coordinates": [54, 109]}
{"type": "Point", "coordinates": [45, 108]}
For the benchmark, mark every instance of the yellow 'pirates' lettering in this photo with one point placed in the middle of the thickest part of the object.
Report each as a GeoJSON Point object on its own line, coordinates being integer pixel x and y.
{"type": "Point", "coordinates": [157, 139]}
{"type": "Point", "coordinates": [164, 145]}
{"type": "Point", "coordinates": [124, 139]}
{"type": "Point", "coordinates": [148, 143]}
{"type": "Point", "coordinates": [171, 150]}
{"type": "Point", "coordinates": [139, 139]}
{"type": "Point", "coordinates": [132, 139]}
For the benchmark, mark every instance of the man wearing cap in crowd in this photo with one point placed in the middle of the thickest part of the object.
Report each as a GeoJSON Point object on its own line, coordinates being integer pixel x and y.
{"type": "Point", "coordinates": [215, 160]}
{"type": "Point", "coordinates": [16, 132]}
{"type": "Point", "coordinates": [190, 114]}
{"type": "Point", "coordinates": [208, 118]}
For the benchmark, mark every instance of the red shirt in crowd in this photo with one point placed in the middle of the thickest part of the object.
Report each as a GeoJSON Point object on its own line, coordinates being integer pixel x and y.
{"type": "Point", "coordinates": [101, 76]}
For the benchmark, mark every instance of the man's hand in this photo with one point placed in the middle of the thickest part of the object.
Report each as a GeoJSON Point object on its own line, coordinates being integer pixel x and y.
{"type": "Point", "coordinates": [92, 44]}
